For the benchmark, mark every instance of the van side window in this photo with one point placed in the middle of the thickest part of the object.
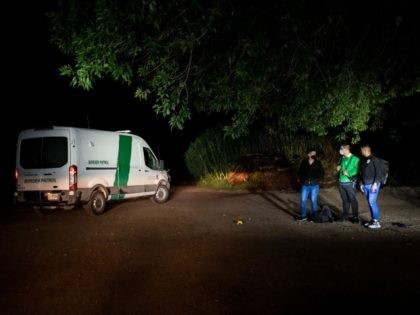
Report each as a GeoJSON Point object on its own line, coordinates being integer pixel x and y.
{"type": "Point", "coordinates": [150, 160]}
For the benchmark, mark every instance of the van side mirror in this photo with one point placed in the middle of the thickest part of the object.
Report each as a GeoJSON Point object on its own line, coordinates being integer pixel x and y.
{"type": "Point", "coordinates": [161, 165]}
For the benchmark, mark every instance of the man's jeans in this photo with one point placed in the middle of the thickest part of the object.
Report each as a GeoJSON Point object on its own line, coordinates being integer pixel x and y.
{"type": "Point", "coordinates": [372, 197]}
{"type": "Point", "coordinates": [311, 191]}
{"type": "Point", "coordinates": [348, 195]}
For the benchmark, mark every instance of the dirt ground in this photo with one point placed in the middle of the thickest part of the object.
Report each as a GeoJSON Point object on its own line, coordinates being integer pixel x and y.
{"type": "Point", "coordinates": [189, 256]}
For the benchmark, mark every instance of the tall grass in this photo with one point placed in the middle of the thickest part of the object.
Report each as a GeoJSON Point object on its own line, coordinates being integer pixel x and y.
{"type": "Point", "coordinates": [297, 145]}
{"type": "Point", "coordinates": [213, 153]}
{"type": "Point", "coordinates": [219, 181]}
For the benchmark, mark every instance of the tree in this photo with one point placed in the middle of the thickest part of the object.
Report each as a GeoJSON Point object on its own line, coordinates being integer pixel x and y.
{"type": "Point", "coordinates": [303, 67]}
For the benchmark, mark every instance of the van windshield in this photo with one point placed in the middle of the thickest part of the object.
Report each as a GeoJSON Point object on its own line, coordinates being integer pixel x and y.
{"type": "Point", "coordinates": [46, 152]}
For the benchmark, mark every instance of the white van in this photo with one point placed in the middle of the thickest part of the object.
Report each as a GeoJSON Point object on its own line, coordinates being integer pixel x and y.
{"type": "Point", "coordinates": [60, 167]}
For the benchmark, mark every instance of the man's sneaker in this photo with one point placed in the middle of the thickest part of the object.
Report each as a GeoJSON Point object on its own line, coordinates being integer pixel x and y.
{"type": "Point", "coordinates": [367, 223]}
{"type": "Point", "coordinates": [302, 219]}
{"type": "Point", "coordinates": [374, 225]}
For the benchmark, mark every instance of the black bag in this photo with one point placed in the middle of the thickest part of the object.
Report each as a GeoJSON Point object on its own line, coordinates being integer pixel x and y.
{"type": "Point", "coordinates": [323, 216]}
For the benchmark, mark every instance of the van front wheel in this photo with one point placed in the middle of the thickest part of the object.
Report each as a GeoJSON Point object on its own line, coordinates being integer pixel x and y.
{"type": "Point", "coordinates": [161, 195]}
{"type": "Point", "coordinates": [96, 204]}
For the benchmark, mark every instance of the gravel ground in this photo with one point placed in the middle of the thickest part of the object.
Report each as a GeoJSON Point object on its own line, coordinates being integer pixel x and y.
{"type": "Point", "coordinates": [190, 256]}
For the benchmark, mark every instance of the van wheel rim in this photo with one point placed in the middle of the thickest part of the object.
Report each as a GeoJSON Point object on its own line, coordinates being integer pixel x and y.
{"type": "Point", "coordinates": [161, 194]}
{"type": "Point", "coordinates": [97, 204]}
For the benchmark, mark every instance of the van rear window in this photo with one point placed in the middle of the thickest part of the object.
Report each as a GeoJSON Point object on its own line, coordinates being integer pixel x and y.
{"type": "Point", "coordinates": [46, 152]}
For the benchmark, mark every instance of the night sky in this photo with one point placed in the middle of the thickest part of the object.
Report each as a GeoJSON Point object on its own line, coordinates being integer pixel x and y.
{"type": "Point", "coordinates": [36, 96]}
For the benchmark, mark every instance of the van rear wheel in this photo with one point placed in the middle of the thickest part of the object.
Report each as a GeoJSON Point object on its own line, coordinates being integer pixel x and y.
{"type": "Point", "coordinates": [161, 195]}
{"type": "Point", "coordinates": [96, 204]}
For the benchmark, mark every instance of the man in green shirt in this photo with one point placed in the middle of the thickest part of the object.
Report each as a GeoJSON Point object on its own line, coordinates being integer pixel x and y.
{"type": "Point", "coordinates": [348, 169]}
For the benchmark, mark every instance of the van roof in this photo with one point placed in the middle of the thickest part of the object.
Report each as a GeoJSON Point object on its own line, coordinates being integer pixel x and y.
{"type": "Point", "coordinates": [75, 128]}
{"type": "Point", "coordinates": [126, 132]}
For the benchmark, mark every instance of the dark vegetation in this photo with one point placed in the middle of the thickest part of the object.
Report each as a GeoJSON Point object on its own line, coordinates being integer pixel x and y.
{"type": "Point", "coordinates": [280, 76]}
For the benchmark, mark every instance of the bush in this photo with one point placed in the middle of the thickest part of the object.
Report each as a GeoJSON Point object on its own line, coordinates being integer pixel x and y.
{"type": "Point", "coordinates": [214, 154]}
{"type": "Point", "coordinates": [211, 153]}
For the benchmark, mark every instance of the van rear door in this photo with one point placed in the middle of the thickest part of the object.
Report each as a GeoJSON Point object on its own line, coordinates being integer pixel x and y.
{"type": "Point", "coordinates": [43, 161]}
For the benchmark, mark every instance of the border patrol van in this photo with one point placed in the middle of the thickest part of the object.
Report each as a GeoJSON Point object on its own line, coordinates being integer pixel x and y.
{"type": "Point", "coordinates": [60, 167]}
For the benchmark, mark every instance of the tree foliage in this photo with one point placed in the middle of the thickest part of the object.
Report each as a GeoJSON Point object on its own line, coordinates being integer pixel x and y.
{"type": "Point", "coordinates": [319, 68]}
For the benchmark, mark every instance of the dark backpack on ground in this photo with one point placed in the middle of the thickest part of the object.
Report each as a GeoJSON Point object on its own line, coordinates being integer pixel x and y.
{"type": "Point", "coordinates": [323, 215]}
{"type": "Point", "coordinates": [384, 169]}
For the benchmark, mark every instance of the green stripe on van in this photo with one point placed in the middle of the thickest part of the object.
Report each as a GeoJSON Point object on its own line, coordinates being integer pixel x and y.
{"type": "Point", "coordinates": [124, 158]}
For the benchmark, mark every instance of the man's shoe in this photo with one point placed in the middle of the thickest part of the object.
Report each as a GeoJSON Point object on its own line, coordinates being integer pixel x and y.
{"type": "Point", "coordinates": [374, 225]}
{"type": "Point", "coordinates": [355, 220]}
{"type": "Point", "coordinates": [302, 219]}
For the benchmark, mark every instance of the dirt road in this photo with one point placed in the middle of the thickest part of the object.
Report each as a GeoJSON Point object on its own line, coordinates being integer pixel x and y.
{"type": "Point", "coordinates": [190, 257]}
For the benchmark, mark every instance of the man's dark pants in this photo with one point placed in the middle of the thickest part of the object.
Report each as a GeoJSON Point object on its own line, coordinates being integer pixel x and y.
{"type": "Point", "coordinates": [348, 195]}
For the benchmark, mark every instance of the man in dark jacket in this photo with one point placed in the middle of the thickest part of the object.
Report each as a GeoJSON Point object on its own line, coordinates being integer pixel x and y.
{"type": "Point", "coordinates": [310, 174]}
{"type": "Point", "coordinates": [371, 174]}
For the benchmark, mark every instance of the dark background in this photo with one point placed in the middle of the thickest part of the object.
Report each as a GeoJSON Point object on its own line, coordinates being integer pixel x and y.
{"type": "Point", "coordinates": [34, 95]}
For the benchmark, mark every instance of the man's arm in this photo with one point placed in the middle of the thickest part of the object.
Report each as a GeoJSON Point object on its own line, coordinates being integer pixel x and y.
{"type": "Point", "coordinates": [338, 168]}
{"type": "Point", "coordinates": [378, 174]}
{"type": "Point", "coordinates": [301, 171]}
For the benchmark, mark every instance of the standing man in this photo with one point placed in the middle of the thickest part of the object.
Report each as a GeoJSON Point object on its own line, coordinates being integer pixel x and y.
{"type": "Point", "coordinates": [371, 183]}
{"type": "Point", "coordinates": [310, 174]}
{"type": "Point", "coordinates": [348, 169]}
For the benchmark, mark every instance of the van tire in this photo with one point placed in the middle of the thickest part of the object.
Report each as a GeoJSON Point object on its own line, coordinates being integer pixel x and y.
{"type": "Point", "coordinates": [161, 195]}
{"type": "Point", "coordinates": [96, 204]}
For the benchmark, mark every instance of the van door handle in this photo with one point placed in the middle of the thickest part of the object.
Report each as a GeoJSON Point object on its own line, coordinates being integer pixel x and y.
{"type": "Point", "coordinates": [47, 174]}
{"type": "Point", "coordinates": [146, 171]}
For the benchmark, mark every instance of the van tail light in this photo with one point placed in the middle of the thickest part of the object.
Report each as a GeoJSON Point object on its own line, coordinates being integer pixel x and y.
{"type": "Point", "coordinates": [73, 177]}
{"type": "Point", "coordinates": [16, 174]}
